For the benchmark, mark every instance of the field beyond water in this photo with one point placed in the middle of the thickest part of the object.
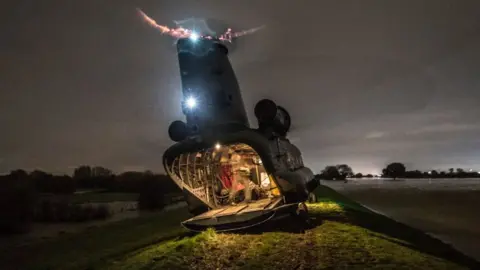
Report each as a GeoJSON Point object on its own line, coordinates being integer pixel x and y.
{"type": "Point", "coordinates": [343, 235]}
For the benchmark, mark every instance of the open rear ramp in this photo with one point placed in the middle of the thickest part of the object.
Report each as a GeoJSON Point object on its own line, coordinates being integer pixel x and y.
{"type": "Point", "coordinates": [235, 217]}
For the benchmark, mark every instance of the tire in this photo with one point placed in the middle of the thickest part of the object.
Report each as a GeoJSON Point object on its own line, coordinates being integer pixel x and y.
{"type": "Point", "coordinates": [301, 214]}
{"type": "Point", "coordinates": [302, 211]}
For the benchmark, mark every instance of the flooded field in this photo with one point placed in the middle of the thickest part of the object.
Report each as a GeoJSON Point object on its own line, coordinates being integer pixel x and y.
{"type": "Point", "coordinates": [445, 208]}
{"type": "Point", "coordinates": [423, 184]}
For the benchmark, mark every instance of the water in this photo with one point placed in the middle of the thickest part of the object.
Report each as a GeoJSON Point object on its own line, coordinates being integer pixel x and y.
{"type": "Point", "coordinates": [444, 208]}
{"type": "Point", "coordinates": [421, 184]}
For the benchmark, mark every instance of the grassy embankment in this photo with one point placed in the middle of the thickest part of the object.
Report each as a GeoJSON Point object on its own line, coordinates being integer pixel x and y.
{"type": "Point", "coordinates": [344, 235]}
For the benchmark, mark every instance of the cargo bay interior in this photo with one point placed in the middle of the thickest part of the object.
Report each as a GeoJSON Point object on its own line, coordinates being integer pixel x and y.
{"type": "Point", "coordinates": [226, 175]}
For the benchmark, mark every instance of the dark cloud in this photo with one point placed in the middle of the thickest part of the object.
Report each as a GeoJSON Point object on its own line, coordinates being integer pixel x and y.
{"type": "Point", "coordinates": [366, 82]}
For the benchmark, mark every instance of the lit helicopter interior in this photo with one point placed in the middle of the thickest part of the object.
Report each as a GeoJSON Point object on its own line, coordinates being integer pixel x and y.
{"type": "Point", "coordinates": [219, 175]}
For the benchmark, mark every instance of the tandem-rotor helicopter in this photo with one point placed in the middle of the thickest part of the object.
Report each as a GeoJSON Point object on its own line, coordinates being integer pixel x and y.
{"type": "Point", "coordinates": [232, 176]}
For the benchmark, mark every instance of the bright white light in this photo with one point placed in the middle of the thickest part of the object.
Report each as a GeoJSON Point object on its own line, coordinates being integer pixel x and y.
{"type": "Point", "coordinates": [194, 36]}
{"type": "Point", "coordinates": [191, 102]}
{"type": "Point", "coordinates": [217, 146]}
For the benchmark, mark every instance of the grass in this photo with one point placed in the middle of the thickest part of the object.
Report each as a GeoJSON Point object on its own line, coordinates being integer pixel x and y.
{"type": "Point", "coordinates": [92, 247]}
{"type": "Point", "coordinates": [343, 235]}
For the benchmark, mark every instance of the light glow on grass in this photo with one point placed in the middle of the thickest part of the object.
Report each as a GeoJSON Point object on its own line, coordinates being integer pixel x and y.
{"type": "Point", "coordinates": [325, 208]}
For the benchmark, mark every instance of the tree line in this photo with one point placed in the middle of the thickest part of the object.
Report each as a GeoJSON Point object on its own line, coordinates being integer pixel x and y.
{"type": "Point", "coordinates": [394, 170]}
{"type": "Point", "coordinates": [87, 177]}
{"type": "Point", "coordinates": [23, 200]}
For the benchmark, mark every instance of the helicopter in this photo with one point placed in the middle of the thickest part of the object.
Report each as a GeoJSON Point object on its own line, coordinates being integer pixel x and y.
{"type": "Point", "coordinates": [232, 176]}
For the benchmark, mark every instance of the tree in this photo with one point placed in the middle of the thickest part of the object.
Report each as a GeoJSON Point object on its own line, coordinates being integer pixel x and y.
{"type": "Point", "coordinates": [37, 174]}
{"type": "Point", "coordinates": [82, 172]}
{"type": "Point", "coordinates": [394, 170]}
{"type": "Point", "coordinates": [18, 174]}
{"type": "Point", "coordinates": [152, 193]}
{"type": "Point", "coordinates": [344, 170]}
{"type": "Point", "coordinates": [461, 173]}
{"type": "Point", "coordinates": [99, 171]}
{"type": "Point", "coordinates": [17, 202]}
{"type": "Point", "coordinates": [41, 180]}
{"type": "Point", "coordinates": [414, 174]}
{"type": "Point", "coordinates": [93, 177]}
{"type": "Point", "coordinates": [331, 173]}
{"type": "Point", "coordinates": [359, 175]}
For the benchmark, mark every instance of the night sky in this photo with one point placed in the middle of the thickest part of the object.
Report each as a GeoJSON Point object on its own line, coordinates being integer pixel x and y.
{"type": "Point", "coordinates": [366, 82]}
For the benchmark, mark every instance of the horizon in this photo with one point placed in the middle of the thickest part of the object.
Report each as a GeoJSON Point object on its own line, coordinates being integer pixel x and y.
{"type": "Point", "coordinates": [133, 169]}
{"type": "Point", "coordinates": [368, 87]}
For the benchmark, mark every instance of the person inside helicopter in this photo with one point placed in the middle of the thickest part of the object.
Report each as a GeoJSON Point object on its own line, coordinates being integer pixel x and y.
{"type": "Point", "coordinates": [241, 178]}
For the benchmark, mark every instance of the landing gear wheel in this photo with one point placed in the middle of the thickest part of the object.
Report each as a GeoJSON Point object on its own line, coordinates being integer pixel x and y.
{"type": "Point", "coordinates": [301, 214]}
{"type": "Point", "coordinates": [312, 198]}
{"type": "Point", "coordinates": [302, 211]}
